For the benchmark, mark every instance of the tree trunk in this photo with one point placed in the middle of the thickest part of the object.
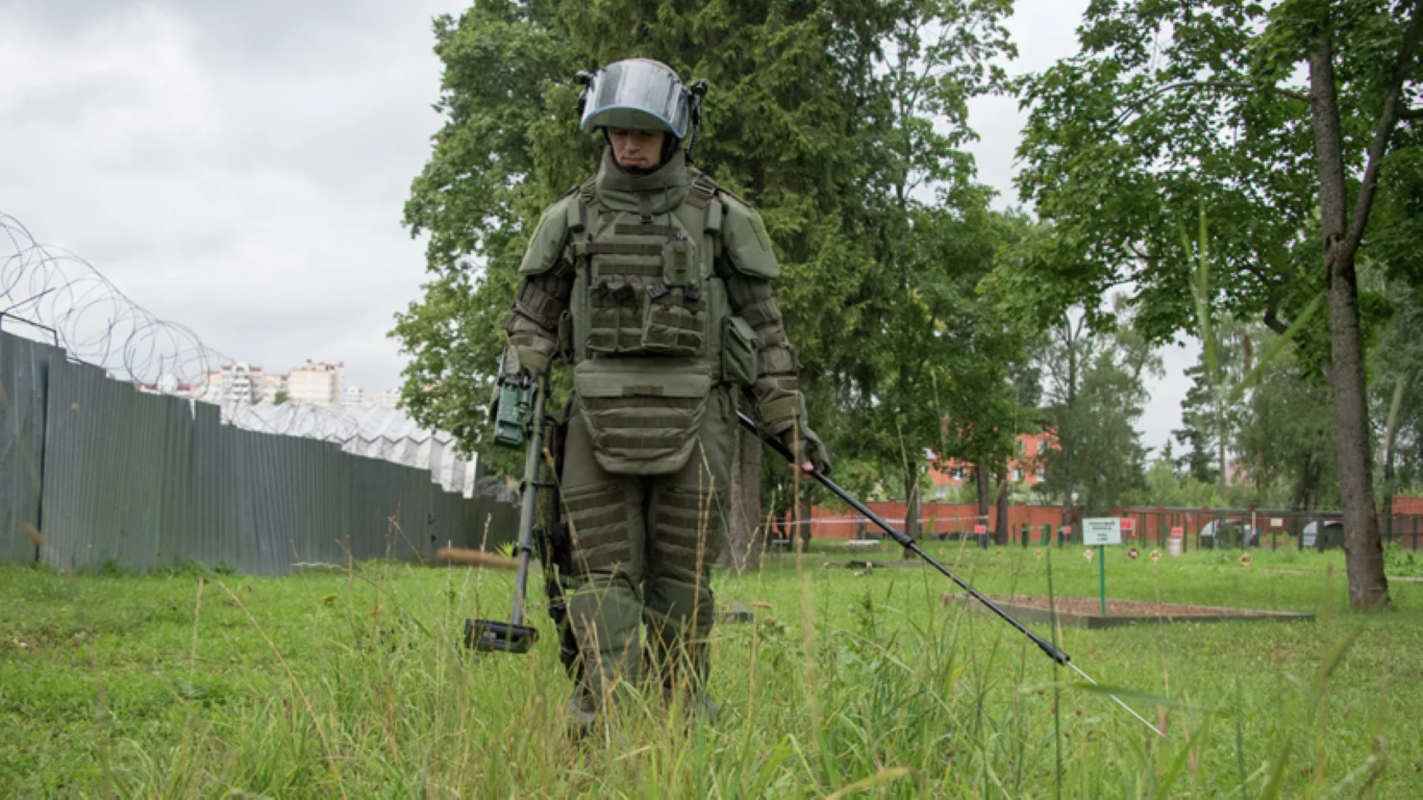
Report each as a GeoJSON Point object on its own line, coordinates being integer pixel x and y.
{"type": "Point", "coordinates": [1000, 525]}
{"type": "Point", "coordinates": [802, 523]}
{"type": "Point", "coordinates": [1362, 547]}
{"type": "Point", "coordinates": [911, 502]}
{"type": "Point", "coordinates": [1389, 436]}
{"type": "Point", "coordinates": [983, 480]}
{"type": "Point", "coordinates": [1307, 488]}
{"type": "Point", "coordinates": [746, 537]}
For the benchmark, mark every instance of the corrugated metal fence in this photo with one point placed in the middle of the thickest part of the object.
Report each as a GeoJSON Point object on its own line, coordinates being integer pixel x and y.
{"type": "Point", "coordinates": [112, 475]}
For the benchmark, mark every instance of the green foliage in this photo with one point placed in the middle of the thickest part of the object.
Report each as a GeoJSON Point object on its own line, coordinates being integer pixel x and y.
{"type": "Point", "coordinates": [1175, 107]}
{"type": "Point", "coordinates": [1399, 357]}
{"type": "Point", "coordinates": [1096, 396]}
{"type": "Point", "coordinates": [1162, 486]}
{"type": "Point", "coordinates": [1402, 563]}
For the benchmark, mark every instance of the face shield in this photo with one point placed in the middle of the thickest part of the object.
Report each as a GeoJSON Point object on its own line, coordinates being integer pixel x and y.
{"type": "Point", "coordinates": [639, 94]}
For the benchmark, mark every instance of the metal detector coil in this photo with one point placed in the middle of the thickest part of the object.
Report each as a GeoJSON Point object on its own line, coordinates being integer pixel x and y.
{"type": "Point", "coordinates": [499, 637]}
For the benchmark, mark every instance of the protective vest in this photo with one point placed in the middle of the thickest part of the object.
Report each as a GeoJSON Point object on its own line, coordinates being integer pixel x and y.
{"type": "Point", "coordinates": [651, 331]}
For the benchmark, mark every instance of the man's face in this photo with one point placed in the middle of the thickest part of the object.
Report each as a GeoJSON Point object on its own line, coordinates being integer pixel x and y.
{"type": "Point", "coordinates": [635, 148]}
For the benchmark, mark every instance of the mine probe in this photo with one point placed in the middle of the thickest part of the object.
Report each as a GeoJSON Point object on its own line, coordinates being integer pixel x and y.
{"type": "Point", "coordinates": [1051, 650]}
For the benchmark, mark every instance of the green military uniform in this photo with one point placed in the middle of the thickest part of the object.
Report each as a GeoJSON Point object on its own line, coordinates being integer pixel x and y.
{"type": "Point", "coordinates": [656, 287]}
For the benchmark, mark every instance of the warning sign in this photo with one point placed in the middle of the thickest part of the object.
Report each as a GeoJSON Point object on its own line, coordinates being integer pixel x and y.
{"type": "Point", "coordinates": [980, 529]}
{"type": "Point", "coordinates": [1133, 554]}
{"type": "Point", "coordinates": [1097, 531]}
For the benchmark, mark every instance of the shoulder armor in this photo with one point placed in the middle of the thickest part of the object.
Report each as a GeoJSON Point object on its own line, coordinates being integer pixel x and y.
{"type": "Point", "coordinates": [550, 235]}
{"type": "Point", "coordinates": [748, 246]}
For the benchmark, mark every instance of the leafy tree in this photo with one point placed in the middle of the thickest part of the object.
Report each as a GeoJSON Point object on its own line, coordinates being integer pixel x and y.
{"type": "Point", "coordinates": [1397, 364]}
{"type": "Point", "coordinates": [1094, 399]}
{"type": "Point", "coordinates": [1287, 439]}
{"type": "Point", "coordinates": [1211, 412]}
{"type": "Point", "coordinates": [1174, 105]}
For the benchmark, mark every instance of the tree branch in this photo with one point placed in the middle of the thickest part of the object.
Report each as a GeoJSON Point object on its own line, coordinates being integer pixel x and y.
{"type": "Point", "coordinates": [1272, 319]}
{"type": "Point", "coordinates": [1411, 113]}
{"type": "Point", "coordinates": [1387, 121]}
{"type": "Point", "coordinates": [1171, 87]}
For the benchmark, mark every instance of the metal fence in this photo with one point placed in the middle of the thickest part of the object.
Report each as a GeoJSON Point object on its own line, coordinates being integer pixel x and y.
{"type": "Point", "coordinates": [1272, 529]}
{"type": "Point", "coordinates": [114, 476]}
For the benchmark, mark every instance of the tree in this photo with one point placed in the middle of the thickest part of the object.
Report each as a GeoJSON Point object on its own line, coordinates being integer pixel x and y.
{"type": "Point", "coordinates": [1095, 396]}
{"type": "Point", "coordinates": [1212, 410]}
{"type": "Point", "coordinates": [1397, 363]}
{"type": "Point", "coordinates": [1288, 436]}
{"type": "Point", "coordinates": [1174, 105]}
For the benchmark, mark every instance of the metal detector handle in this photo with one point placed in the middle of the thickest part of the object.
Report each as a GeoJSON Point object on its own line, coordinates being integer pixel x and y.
{"type": "Point", "coordinates": [1049, 649]}
{"type": "Point", "coordinates": [528, 491]}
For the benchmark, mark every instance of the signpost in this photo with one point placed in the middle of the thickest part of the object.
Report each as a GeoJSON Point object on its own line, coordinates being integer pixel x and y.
{"type": "Point", "coordinates": [1102, 531]}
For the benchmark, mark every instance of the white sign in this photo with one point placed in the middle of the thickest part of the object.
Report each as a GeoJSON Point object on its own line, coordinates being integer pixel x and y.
{"type": "Point", "coordinates": [1277, 522]}
{"type": "Point", "coordinates": [1101, 530]}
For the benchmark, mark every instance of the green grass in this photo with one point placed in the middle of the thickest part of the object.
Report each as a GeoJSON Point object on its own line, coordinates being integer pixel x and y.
{"type": "Point", "coordinates": [163, 686]}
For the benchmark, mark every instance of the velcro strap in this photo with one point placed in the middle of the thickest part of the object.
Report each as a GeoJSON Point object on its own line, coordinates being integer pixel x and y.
{"type": "Point", "coordinates": [625, 441]}
{"type": "Point", "coordinates": [643, 391]}
{"type": "Point", "coordinates": [644, 270]}
{"type": "Point", "coordinates": [624, 249]}
{"type": "Point", "coordinates": [624, 229]}
{"type": "Point", "coordinates": [644, 207]}
{"type": "Point", "coordinates": [779, 409]}
{"type": "Point", "coordinates": [642, 404]}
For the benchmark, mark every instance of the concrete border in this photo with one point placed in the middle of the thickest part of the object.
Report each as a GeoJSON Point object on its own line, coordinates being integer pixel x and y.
{"type": "Point", "coordinates": [1097, 621]}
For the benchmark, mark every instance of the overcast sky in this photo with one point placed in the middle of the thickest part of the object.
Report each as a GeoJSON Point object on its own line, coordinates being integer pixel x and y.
{"type": "Point", "coordinates": [241, 167]}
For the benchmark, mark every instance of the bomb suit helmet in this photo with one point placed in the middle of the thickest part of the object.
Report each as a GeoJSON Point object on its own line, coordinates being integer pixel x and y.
{"type": "Point", "coordinates": [640, 94]}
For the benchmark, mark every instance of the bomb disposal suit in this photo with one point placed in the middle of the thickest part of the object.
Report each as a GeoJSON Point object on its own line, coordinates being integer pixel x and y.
{"type": "Point", "coordinates": [655, 284]}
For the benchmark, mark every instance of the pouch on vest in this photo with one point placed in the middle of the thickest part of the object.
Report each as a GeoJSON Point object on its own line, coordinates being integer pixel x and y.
{"type": "Point", "coordinates": [643, 415]}
{"type": "Point", "coordinates": [738, 352]}
{"type": "Point", "coordinates": [675, 322]}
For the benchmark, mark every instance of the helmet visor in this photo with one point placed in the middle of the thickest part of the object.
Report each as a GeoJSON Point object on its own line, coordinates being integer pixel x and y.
{"type": "Point", "coordinates": [639, 94]}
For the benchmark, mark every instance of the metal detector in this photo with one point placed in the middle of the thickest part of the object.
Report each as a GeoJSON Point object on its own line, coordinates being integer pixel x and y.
{"type": "Point", "coordinates": [1049, 649]}
{"type": "Point", "coordinates": [514, 636]}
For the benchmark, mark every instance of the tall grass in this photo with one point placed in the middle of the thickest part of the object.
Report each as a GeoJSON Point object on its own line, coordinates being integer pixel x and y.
{"type": "Point", "coordinates": [332, 684]}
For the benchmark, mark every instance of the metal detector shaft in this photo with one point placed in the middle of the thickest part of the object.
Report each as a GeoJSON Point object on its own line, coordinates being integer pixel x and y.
{"type": "Point", "coordinates": [1049, 649]}
{"type": "Point", "coordinates": [529, 496]}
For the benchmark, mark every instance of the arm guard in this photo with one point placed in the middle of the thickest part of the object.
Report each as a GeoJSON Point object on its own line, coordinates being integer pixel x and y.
{"type": "Point", "coordinates": [533, 324]}
{"type": "Point", "coordinates": [780, 408]}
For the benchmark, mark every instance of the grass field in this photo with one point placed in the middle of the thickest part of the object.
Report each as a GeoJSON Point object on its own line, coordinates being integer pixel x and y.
{"type": "Point", "coordinates": [348, 683]}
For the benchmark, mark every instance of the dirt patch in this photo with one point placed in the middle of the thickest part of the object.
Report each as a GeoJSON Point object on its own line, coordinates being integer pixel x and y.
{"type": "Point", "coordinates": [1086, 612]}
{"type": "Point", "coordinates": [1129, 608]}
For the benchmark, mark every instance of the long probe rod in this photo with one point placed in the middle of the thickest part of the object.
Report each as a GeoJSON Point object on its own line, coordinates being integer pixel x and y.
{"type": "Point", "coordinates": [1049, 649]}
{"type": "Point", "coordinates": [526, 508]}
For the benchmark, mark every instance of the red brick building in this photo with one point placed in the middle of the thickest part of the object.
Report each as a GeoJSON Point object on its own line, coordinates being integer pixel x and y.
{"type": "Point", "coordinates": [1025, 469]}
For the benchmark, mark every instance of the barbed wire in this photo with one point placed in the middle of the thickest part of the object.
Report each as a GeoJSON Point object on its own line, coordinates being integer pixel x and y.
{"type": "Point", "coordinates": [59, 297]}
{"type": "Point", "coordinates": [53, 290]}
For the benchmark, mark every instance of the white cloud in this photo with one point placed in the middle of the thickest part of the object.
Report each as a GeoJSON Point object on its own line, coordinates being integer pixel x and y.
{"type": "Point", "coordinates": [239, 168]}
